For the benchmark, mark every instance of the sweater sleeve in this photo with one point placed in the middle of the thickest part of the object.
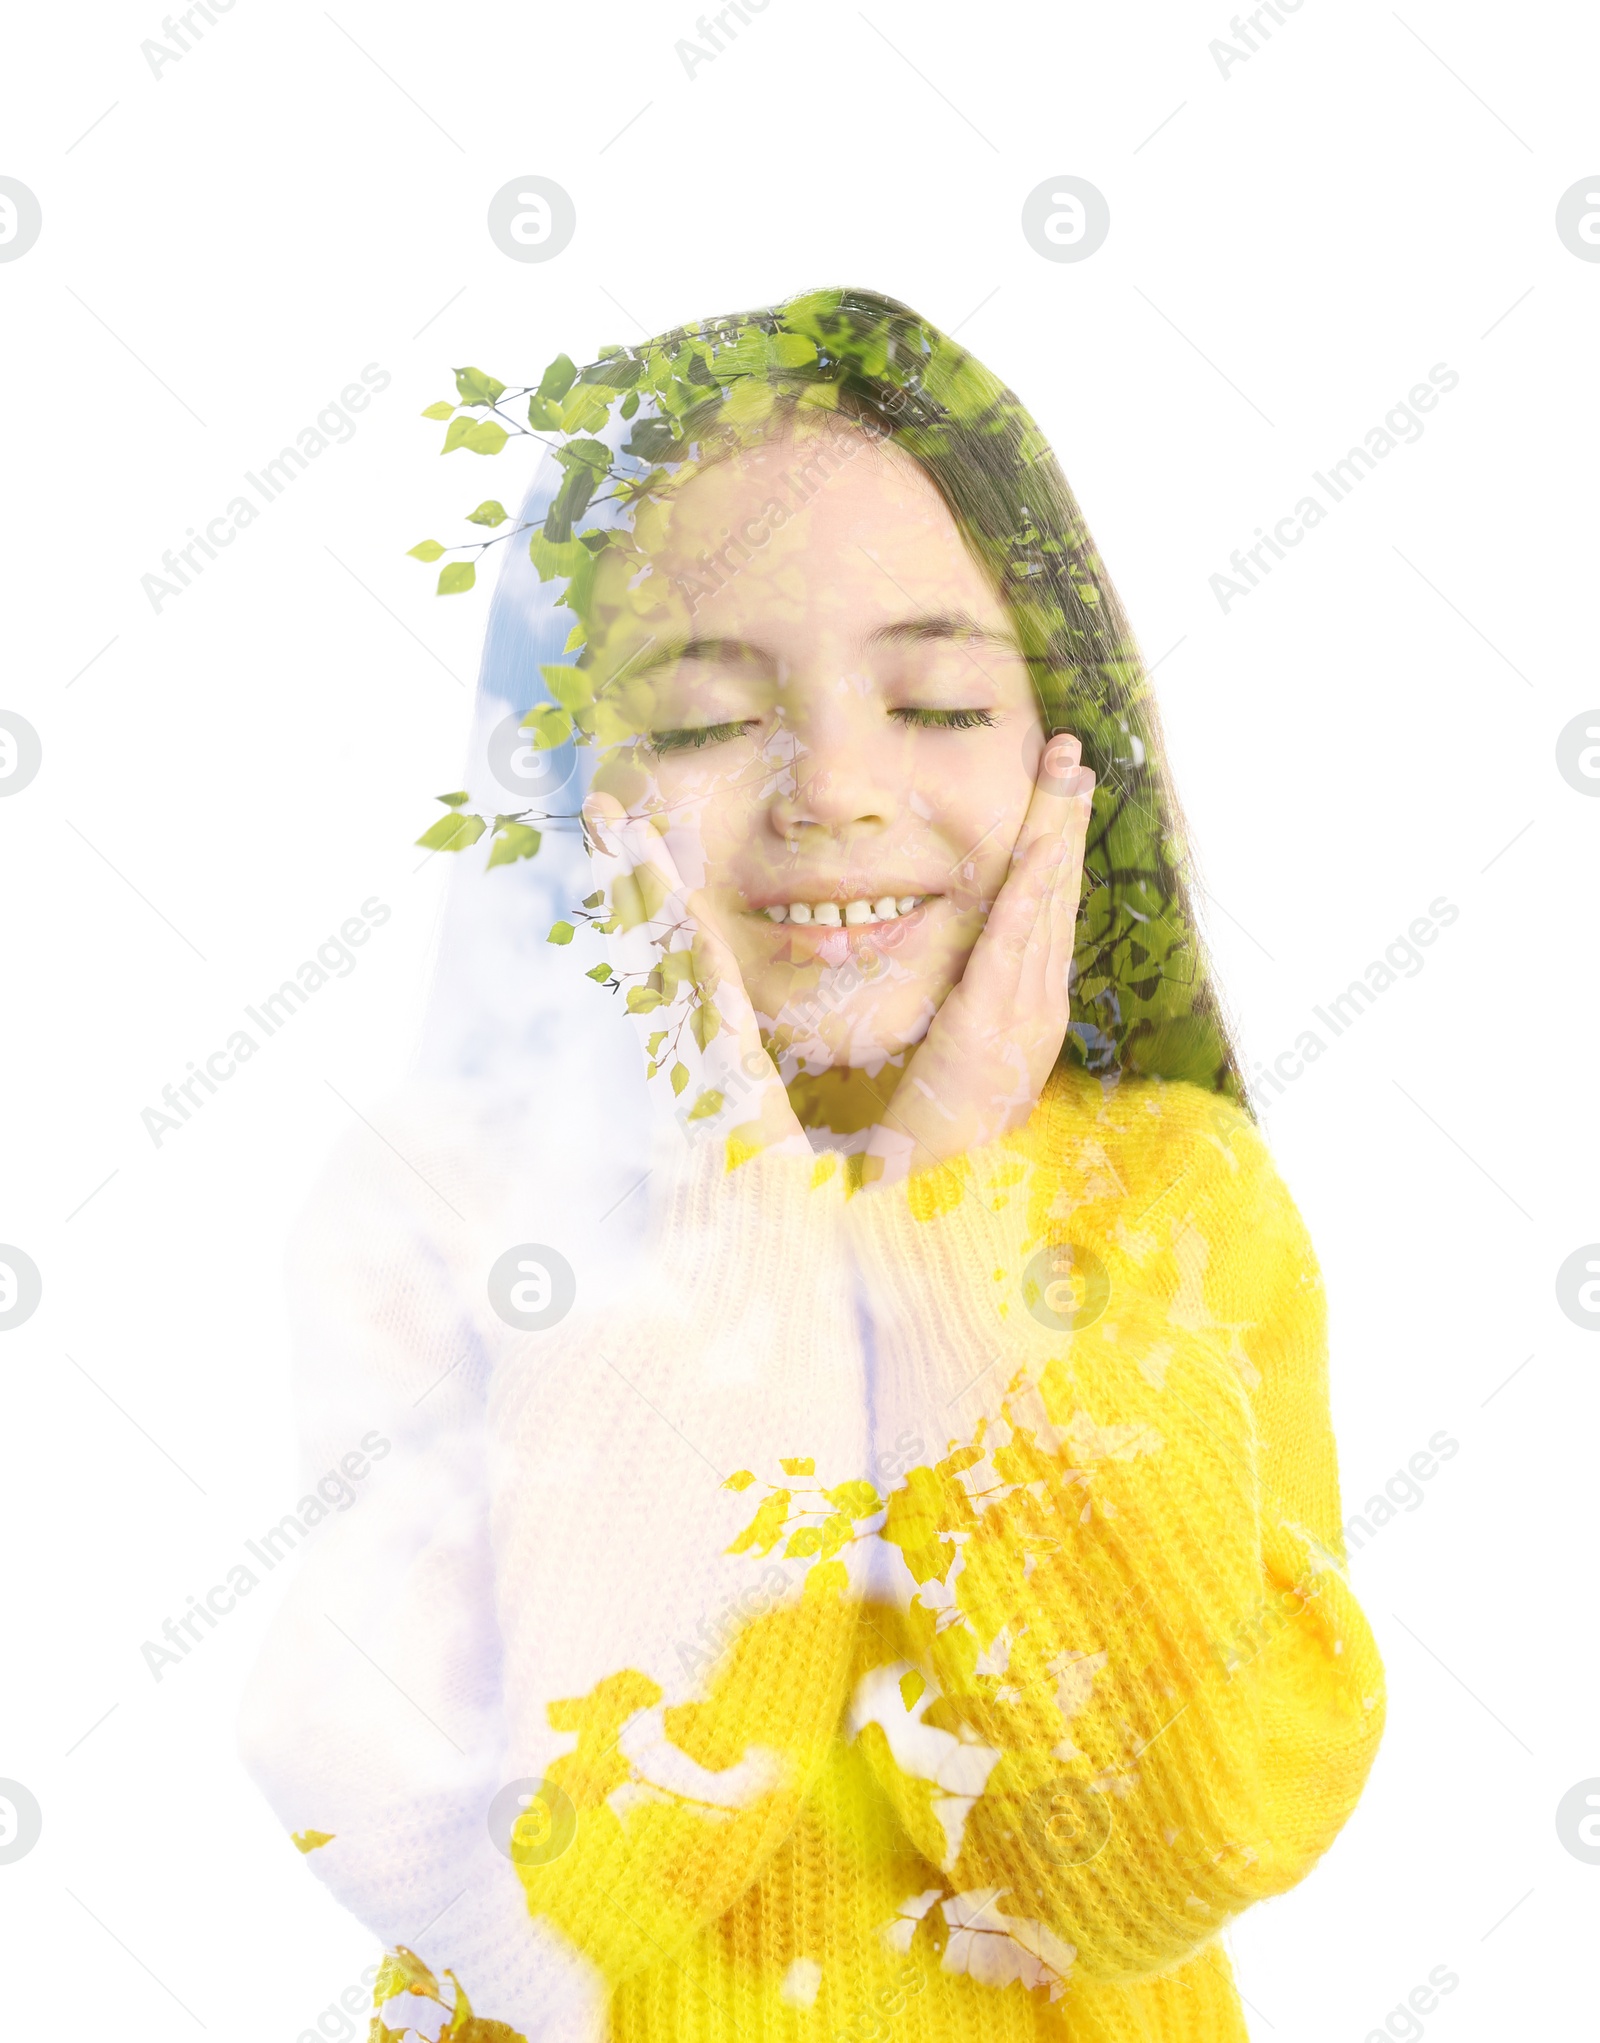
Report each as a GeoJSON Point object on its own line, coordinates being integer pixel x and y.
{"type": "Point", "coordinates": [373, 1720]}
{"type": "Point", "coordinates": [1132, 1692]}
{"type": "Point", "coordinates": [674, 1671]}
{"type": "Point", "coordinates": [543, 1706]}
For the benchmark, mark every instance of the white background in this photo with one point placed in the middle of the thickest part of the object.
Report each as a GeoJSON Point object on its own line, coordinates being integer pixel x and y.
{"type": "Point", "coordinates": [226, 781]}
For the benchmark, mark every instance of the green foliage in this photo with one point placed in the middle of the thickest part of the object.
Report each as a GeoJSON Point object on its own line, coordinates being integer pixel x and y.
{"type": "Point", "coordinates": [456, 576]}
{"type": "Point", "coordinates": [452, 833]}
{"type": "Point", "coordinates": [476, 388]}
{"type": "Point", "coordinates": [512, 840]}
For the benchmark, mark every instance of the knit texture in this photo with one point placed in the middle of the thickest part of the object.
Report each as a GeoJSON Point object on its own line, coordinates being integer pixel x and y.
{"type": "Point", "coordinates": [923, 1608]}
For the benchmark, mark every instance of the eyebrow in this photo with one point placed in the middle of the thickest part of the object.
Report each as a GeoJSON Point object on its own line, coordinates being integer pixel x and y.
{"type": "Point", "coordinates": [938, 626]}
{"type": "Point", "coordinates": [943, 624]}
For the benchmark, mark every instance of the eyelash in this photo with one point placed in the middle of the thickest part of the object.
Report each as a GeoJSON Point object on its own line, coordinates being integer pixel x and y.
{"type": "Point", "coordinates": [695, 738]}
{"type": "Point", "coordinates": [945, 719]}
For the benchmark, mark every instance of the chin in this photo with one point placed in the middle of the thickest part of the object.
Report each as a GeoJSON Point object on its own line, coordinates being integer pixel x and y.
{"type": "Point", "coordinates": [860, 1031]}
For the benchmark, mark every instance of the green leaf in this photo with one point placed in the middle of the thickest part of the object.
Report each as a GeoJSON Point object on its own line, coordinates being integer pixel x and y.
{"type": "Point", "coordinates": [561, 932]}
{"type": "Point", "coordinates": [477, 388]}
{"type": "Point", "coordinates": [790, 350]}
{"type": "Point", "coordinates": [454, 434]}
{"type": "Point", "coordinates": [572, 687]}
{"type": "Point", "coordinates": [679, 1074]}
{"type": "Point", "coordinates": [599, 973]}
{"type": "Point", "coordinates": [595, 452]}
{"type": "Point", "coordinates": [452, 833]}
{"type": "Point", "coordinates": [426, 549]}
{"type": "Point", "coordinates": [487, 513]}
{"type": "Point", "coordinates": [654, 439]}
{"type": "Point", "coordinates": [552, 557]}
{"type": "Point", "coordinates": [705, 1106]}
{"type": "Point", "coordinates": [452, 801]}
{"type": "Point", "coordinates": [584, 412]}
{"type": "Point", "coordinates": [643, 1000]}
{"type": "Point", "coordinates": [543, 416]}
{"type": "Point", "coordinates": [593, 901]}
{"type": "Point", "coordinates": [441, 410]}
{"type": "Point", "coordinates": [559, 378]}
{"type": "Point", "coordinates": [637, 896]}
{"type": "Point", "coordinates": [488, 436]}
{"type": "Point", "coordinates": [704, 1023]}
{"type": "Point", "coordinates": [571, 501]}
{"type": "Point", "coordinates": [402, 1971]}
{"type": "Point", "coordinates": [513, 841]}
{"type": "Point", "coordinates": [550, 727]}
{"type": "Point", "coordinates": [616, 370]}
{"type": "Point", "coordinates": [630, 404]}
{"type": "Point", "coordinates": [456, 576]}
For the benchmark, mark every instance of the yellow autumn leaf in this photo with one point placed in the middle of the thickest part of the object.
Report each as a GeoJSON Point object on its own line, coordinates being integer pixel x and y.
{"type": "Point", "coordinates": [798, 1466]}
{"type": "Point", "coordinates": [764, 1531]}
{"type": "Point", "coordinates": [827, 1578]}
{"type": "Point", "coordinates": [310, 1840]}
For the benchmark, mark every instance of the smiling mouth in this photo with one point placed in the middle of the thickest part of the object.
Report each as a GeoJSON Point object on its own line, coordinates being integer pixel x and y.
{"type": "Point", "coordinates": [861, 913]}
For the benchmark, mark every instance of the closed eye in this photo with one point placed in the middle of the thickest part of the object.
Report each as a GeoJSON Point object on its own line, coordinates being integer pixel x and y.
{"type": "Point", "coordinates": [944, 719]}
{"type": "Point", "coordinates": [694, 736]}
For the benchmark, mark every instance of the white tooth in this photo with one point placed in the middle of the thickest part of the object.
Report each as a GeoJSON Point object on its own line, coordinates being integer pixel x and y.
{"type": "Point", "coordinates": [827, 913]}
{"type": "Point", "coordinates": [886, 909]}
{"type": "Point", "coordinates": [857, 911]}
{"type": "Point", "coordinates": [907, 902]}
{"type": "Point", "coordinates": [776, 914]}
{"type": "Point", "coordinates": [799, 911]}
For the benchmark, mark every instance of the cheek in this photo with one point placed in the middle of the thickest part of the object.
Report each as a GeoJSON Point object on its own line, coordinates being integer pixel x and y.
{"type": "Point", "coordinates": [712, 819]}
{"type": "Point", "coordinates": [980, 817]}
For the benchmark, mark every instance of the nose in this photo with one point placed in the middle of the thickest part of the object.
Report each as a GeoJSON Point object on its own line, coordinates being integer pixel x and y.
{"type": "Point", "coordinates": [833, 781]}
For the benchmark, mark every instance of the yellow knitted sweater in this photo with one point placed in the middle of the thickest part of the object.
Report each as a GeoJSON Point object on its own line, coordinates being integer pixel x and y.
{"type": "Point", "coordinates": [1024, 1723]}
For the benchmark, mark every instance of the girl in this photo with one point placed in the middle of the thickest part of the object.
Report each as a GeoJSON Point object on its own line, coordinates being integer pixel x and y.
{"type": "Point", "coordinates": [859, 1556]}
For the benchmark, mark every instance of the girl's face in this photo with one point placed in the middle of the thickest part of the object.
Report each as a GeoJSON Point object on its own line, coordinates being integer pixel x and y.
{"type": "Point", "coordinates": [841, 732]}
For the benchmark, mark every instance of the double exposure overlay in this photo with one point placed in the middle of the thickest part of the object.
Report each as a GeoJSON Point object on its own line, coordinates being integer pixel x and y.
{"type": "Point", "coordinates": [859, 1555]}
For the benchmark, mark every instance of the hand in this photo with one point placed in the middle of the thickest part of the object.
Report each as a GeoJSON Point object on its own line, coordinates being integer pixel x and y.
{"type": "Point", "coordinates": [979, 1071]}
{"type": "Point", "coordinates": [756, 1111]}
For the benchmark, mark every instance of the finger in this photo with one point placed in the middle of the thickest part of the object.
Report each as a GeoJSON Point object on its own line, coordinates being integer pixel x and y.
{"type": "Point", "coordinates": [713, 965]}
{"type": "Point", "coordinates": [1059, 923]}
{"type": "Point", "coordinates": [1055, 789]}
{"type": "Point", "coordinates": [991, 985]}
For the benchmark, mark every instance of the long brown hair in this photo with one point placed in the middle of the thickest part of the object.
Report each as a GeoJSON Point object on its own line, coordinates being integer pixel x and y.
{"type": "Point", "coordinates": [1144, 998]}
